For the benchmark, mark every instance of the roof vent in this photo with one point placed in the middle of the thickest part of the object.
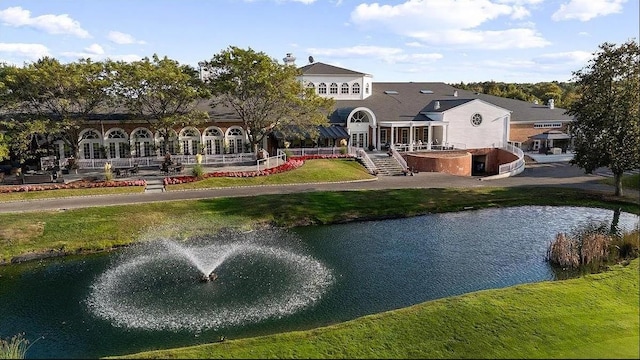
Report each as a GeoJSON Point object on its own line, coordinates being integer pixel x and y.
{"type": "Point", "coordinates": [436, 105]}
{"type": "Point", "coordinates": [550, 104]}
{"type": "Point", "coordinates": [289, 59]}
{"type": "Point", "coordinates": [455, 93]}
{"type": "Point", "coordinates": [426, 92]}
{"type": "Point", "coordinates": [391, 92]}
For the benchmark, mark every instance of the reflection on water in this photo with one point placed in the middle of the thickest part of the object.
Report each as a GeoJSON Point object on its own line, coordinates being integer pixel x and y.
{"type": "Point", "coordinates": [372, 266]}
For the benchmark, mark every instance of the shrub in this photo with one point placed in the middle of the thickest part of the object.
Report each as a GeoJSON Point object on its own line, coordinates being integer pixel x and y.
{"type": "Point", "coordinates": [591, 246]}
{"type": "Point", "coordinates": [198, 171]}
{"type": "Point", "coordinates": [343, 150]}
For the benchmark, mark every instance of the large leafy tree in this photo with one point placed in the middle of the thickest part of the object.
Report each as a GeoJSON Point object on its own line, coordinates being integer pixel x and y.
{"type": "Point", "coordinates": [606, 128]}
{"type": "Point", "coordinates": [163, 92]}
{"type": "Point", "coordinates": [265, 95]}
{"type": "Point", "coordinates": [66, 94]}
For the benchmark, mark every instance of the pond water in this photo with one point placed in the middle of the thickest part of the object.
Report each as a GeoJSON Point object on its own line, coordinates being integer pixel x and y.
{"type": "Point", "coordinates": [148, 296]}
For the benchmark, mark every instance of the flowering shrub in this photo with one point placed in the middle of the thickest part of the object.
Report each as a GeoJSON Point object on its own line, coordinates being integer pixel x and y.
{"type": "Point", "coordinates": [72, 185]}
{"type": "Point", "coordinates": [292, 163]}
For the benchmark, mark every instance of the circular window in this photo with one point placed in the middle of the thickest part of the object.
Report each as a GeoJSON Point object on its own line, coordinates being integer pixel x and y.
{"type": "Point", "coordinates": [476, 119]}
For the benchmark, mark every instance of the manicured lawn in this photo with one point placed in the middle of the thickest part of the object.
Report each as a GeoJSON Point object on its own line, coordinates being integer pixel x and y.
{"type": "Point", "coordinates": [596, 316]}
{"type": "Point", "coordinates": [318, 170]}
{"type": "Point", "coordinates": [102, 228]}
{"type": "Point", "coordinates": [628, 181]}
{"type": "Point", "coordinates": [60, 193]}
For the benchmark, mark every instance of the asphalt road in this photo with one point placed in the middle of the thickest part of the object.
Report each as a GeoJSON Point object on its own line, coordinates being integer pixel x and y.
{"type": "Point", "coordinates": [537, 174]}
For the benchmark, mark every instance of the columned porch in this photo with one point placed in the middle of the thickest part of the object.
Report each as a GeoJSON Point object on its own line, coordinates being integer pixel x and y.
{"type": "Point", "coordinates": [413, 135]}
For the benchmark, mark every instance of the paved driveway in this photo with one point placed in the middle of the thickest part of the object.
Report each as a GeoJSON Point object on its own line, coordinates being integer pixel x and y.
{"type": "Point", "coordinates": [538, 174]}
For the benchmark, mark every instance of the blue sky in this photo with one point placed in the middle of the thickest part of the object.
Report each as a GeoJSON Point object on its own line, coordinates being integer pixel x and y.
{"type": "Point", "coordinates": [402, 40]}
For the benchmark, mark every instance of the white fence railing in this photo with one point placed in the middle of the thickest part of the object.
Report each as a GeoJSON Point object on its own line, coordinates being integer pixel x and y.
{"type": "Point", "coordinates": [516, 166]}
{"type": "Point", "coordinates": [272, 161]}
{"type": "Point", "coordinates": [396, 155]}
{"type": "Point", "coordinates": [152, 161]}
{"type": "Point", "coordinates": [314, 151]}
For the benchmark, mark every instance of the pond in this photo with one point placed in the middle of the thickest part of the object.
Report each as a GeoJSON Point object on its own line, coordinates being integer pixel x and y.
{"type": "Point", "coordinates": [149, 296]}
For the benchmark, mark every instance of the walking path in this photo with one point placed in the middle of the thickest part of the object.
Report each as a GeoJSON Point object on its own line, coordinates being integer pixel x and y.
{"type": "Point", "coordinates": [558, 174]}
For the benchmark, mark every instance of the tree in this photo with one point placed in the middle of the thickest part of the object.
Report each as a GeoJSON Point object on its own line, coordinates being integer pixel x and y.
{"type": "Point", "coordinates": [606, 127]}
{"type": "Point", "coordinates": [265, 95]}
{"type": "Point", "coordinates": [162, 92]}
{"type": "Point", "coordinates": [66, 94]}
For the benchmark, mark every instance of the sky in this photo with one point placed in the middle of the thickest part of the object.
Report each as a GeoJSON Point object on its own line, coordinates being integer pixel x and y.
{"type": "Point", "coordinates": [452, 41]}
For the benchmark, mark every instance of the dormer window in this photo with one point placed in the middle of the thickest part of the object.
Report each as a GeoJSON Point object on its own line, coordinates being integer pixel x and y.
{"type": "Point", "coordinates": [322, 88]}
{"type": "Point", "coordinates": [355, 88]}
{"type": "Point", "coordinates": [344, 89]}
{"type": "Point", "coordinates": [333, 89]}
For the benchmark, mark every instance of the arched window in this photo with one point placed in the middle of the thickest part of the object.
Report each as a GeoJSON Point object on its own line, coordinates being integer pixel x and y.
{"type": "Point", "coordinates": [190, 141]}
{"type": "Point", "coordinates": [360, 117]}
{"type": "Point", "coordinates": [235, 139]}
{"type": "Point", "coordinates": [311, 86]}
{"type": "Point", "coordinates": [213, 140]}
{"type": "Point", "coordinates": [117, 144]}
{"type": "Point", "coordinates": [322, 88]}
{"type": "Point", "coordinates": [344, 89]}
{"type": "Point", "coordinates": [171, 144]}
{"type": "Point", "coordinates": [355, 88]}
{"type": "Point", "coordinates": [333, 89]}
{"type": "Point", "coordinates": [142, 142]}
{"type": "Point", "coordinates": [90, 144]}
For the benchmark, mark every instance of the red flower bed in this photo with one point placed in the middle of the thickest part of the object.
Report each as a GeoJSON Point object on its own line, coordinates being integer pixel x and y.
{"type": "Point", "coordinates": [73, 185]}
{"type": "Point", "coordinates": [292, 163]}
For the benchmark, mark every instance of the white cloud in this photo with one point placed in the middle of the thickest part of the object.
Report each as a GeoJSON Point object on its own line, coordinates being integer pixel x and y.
{"type": "Point", "coordinates": [94, 49]}
{"type": "Point", "coordinates": [414, 44]}
{"type": "Point", "coordinates": [122, 38]}
{"type": "Point", "coordinates": [387, 54]}
{"type": "Point", "coordinates": [585, 10]}
{"type": "Point", "coordinates": [97, 57]}
{"type": "Point", "coordinates": [452, 22]}
{"type": "Point", "coordinates": [52, 24]}
{"type": "Point", "coordinates": [569, 57]}
{"type": "Point", "coordinates": [32, 51]}
{"type": "Point", "coordinates": [489, 40]}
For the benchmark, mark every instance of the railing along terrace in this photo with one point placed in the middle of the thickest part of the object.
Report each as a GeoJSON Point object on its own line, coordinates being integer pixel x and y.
{"type": "Point", "coordinates": [369, 164]}
{"type": "Point", "coordinates": [152, 161]}
{"type": "Point", "coordinates": [396, 155]}
{"type": "Point", "coordinates": [314, 151]}
{"type": "Point", "coordinates": [517, 164]}
{"type": "Point", "coordinates": [272, 161]}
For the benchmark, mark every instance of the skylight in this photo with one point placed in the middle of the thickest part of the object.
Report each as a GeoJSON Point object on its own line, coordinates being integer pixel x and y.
{"type": "Point", "coordinates": [391, 92]}
{"type": "Point", "coordinates": [426, 91]}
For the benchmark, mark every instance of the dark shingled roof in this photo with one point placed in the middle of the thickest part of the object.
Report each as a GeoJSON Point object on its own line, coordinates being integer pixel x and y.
{"type": "Point", "coordinates": [319, 68]}
{"type": "Point", "coordinates": [410, 102]}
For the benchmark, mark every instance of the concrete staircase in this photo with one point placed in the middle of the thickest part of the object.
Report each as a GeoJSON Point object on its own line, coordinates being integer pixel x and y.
{"type": "Point", "coordinates": [386, 165]}
{"type": "Point", "coordinates": [154, 185]}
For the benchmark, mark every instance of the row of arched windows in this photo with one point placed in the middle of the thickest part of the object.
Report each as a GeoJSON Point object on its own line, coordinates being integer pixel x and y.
{"type": "Point", "coordinates": [116, 143]}
{"type": "Point", "coordinates": [344, 88]}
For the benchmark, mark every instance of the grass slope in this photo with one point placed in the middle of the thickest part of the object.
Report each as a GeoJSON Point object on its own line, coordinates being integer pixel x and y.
{"type": "Point", "coordinates": [595, 316]}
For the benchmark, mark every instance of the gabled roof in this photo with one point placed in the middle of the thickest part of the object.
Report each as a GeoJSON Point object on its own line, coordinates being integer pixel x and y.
{"type": "Point", "coordinates": [319, 68]}
{"type": "Point", "coordinates": [407, 101]}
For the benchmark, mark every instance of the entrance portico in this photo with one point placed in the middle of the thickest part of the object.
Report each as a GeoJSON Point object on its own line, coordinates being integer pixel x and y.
{"type": "Point", "coordinates": [414, 135]}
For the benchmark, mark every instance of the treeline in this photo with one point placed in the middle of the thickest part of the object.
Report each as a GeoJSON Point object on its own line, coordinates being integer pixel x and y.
{"type": "Point", "coordinates": [562, 93]}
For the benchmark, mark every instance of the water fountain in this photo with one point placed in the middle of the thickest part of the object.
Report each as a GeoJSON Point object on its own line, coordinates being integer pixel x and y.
{"type": "Point", "coordinates": [253, 277]}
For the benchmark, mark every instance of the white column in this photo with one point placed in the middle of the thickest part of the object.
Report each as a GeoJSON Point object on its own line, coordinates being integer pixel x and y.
{"type": "Point", "coordinates": [411, 136]}
{"type": "Point", "coordinates": [429, 137]}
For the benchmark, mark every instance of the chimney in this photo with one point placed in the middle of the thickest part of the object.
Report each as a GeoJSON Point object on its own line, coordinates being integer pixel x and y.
{"type": "Point", "coordinates": [436, 105]}
{"type": "Point", "coordinates": [550, 103]}
{"type": "Point", "coordinates": [289, 59]}
{"type": "Point", "coordinates": [455, 93]}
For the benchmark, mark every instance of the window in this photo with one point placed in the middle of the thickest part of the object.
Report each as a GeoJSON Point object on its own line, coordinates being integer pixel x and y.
{"type": "Point", "coordinates": [366, 89]}
{"type": "Point", "coordinates": [333, 89]}
{"type": "Point", "coordinates": [383, 136]}
{"type": "Point", "coordinates": [547, 125]}
{"type": "Point", "coordinates": [476, 119]}
{"type": "Point", "coordinates": [359, 117]}
{"type": "Point", "coordinates": [311, 86]}
{"type": "Point", "coordinates": [322, 88]}
{"type": "Point", "coordinates": [355, 88]}
{"type": "Point", "coordinates": [344, 89]}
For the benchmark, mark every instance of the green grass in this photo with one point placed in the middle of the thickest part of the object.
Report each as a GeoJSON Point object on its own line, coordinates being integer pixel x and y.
{"type": "Point", "coordinates": [628, 181]}
{"type": "Point", "coordinates": [318, 170]}
{"type": "Point", "coordinates": [595, 316]}
{"type": "Point", "coordinates": [60, 193]}
{"type": "Point", "coordinates": [100, 228]}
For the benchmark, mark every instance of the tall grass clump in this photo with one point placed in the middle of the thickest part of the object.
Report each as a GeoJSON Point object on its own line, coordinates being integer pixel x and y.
{"type": "Point", "coordinates": [14, 348]}
{"type": "Point", "coordinates": [592, 246]}
{"type": "Point", "coordinates": [198, 171]}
